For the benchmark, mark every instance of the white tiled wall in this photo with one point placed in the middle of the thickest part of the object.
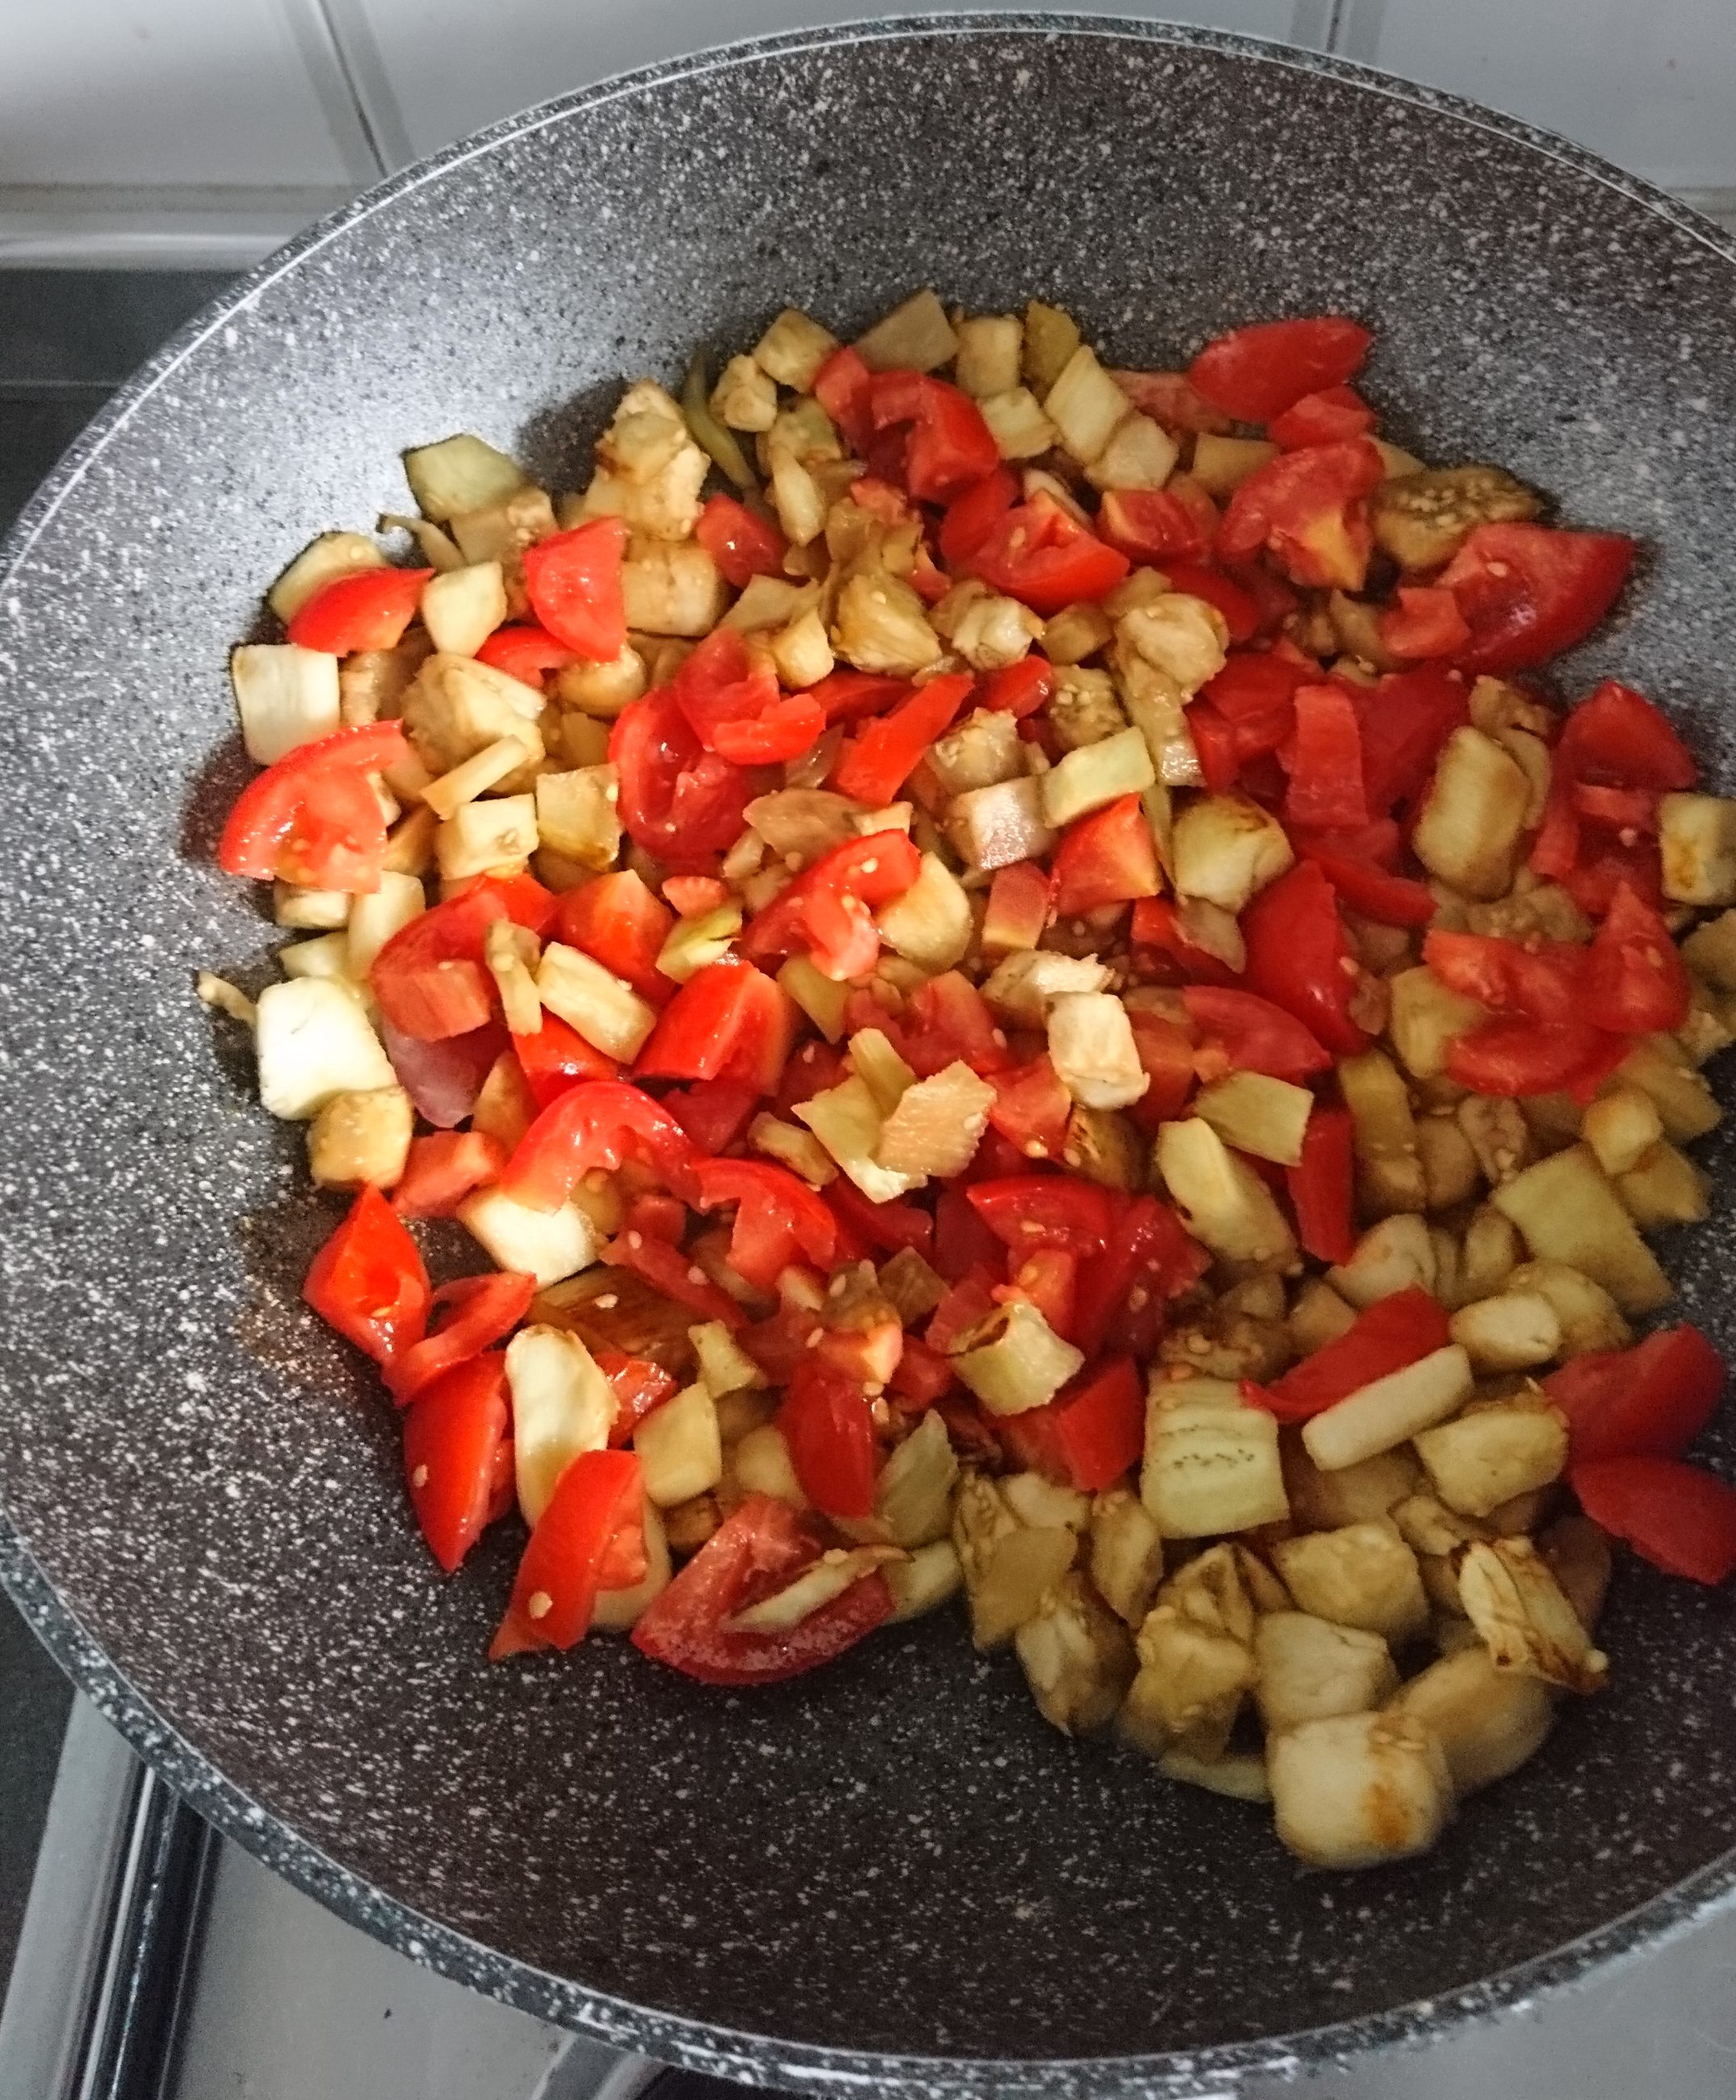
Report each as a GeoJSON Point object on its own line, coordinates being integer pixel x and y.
{"type": "Point", "coordinates": [189, 123]}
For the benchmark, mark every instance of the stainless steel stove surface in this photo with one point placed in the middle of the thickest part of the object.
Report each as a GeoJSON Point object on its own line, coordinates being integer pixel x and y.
{"type": "Point", "coordinates": [152, 1962]}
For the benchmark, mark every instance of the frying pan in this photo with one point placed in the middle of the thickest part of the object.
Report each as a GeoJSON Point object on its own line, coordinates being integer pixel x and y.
{"type": "Point", "coordinates": [895, 1874]}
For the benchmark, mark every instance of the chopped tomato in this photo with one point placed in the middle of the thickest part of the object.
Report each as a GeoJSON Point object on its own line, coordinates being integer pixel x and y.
{"type": "Point", "coordinates": [693, 895]}
{"type": "Point", "coordinates": [923, 1374]}
{"type": "Point", "coordinates": [1519, 1058]}
{"type": "Point", "coordinates": [444, 1169]}
{"type": "Point", "coordinates": [1544, 979]}
{"type": "Point", "coordinates": [1257, 372]}
{"type": "Point", "coordinates": [1605, 864]}
{"type": "Point", "coordinates": [1636, 983]}
{"type": "Point", "coordinates": [1215, 747]}
{"type": "Point", "coordinates": [556, 1057]}
{"type": "Point", "coordinates": [1031, 1107]}
{"type": "Point", "coordinates": [1095, 1427]}
{"type": "Point", "coordinates": [638, 1385]}
{"type": "Point", "coordinates": [830, 1433]}
{"type": "Point", "coordinates": [313, 818]}
{"type": "Point", "coordinates": [1020, 689]}
{"type": "Point", "coordinates": [1392, 1333]}
{"type": "Point", "coordinates": [527, 653]}
{"type": "Point", "coordinates": [947, 1021]}
{"type": "Point", "coordinates": [950, 446]}
{"type": "Point", "coordinates": [735, 707]}
{"type": "Point", "coordinates": [742, 543]}
{"type": "Point", "coordinates": [973, 515]}
{"type": "Point", "coordinates": [368, 1282]}
{"type": "Point", "coordinates": [1256, 1034]}
{"type": "Point", "coordinates": [573, 582]}
{"type": "Point", "coordinates": [1653, 1399]}
{"type": "Point", "coordinates": [1327, 417]}
{"type": "Point", "coordinates": [1172, 398]}
{"type": "Point", "coordinates": [1158, 928]}
{"type": "Point", "coordinates": [1240, 608]}
{"type": "Point", "coordinates": [729, 1021]}
{"type": "Point", "coordinates": [429, 978]}
{"type": "Point", "coordinates": [678, 800]}
{"type": "Point", "coordinates": [597, 1124]}
{"type": "Point", "coordinates": [1405, 720]}
{"type": "Point", "coordinates": [1678, 1517]}
{"type": "Point", "coordinates": [464, 1319]}
{"type": "Point", "coordinates": [1166, 1057]}
{"type": "Point", "coordinates": [1617, 738]}
{"type": "Point", "coordinates": [1391, 900]}
{"type": "Point", "coordinates": [521, 897]}
{"type": "Point", "coordinates": [1621, 808]}
{"type": "Point", "coordinates": [846, 696]}
{"type": "Point", "coordinates": [888, 1226]}
{"type": "Point", "coordinates": [1322, 1186]}
{"type": "Point", "coordinates": [1149, 1258]}
{"type": "Point", "coordinates": [600, 1496]}
{"type": "Point", "coordinates": [1528, 591]}
{"type": "Point", "coordinates": [1108, 857]}
{"type": "Point", "coordinates": [1425, 623]}
{"type": "Point", "coordinates": [1040, 554]}
{"type": "Point", "coordinates": [1028, 1210]}
{"type": "Point", "coordinates": [969, 1302]}
{"type": "Point", "coordinates": [444, 1079]}
{"type": "Point", "coordinates": [1309, 510]}
{"type": "Point", "coordinates": [1156, 524]}
{"type": "Point", "coordinates": [1298, 959]}
{"type": "Point", "coordinates": [1326, 767]}
{"type": "Point", "coordinates": [776, 1217]}
{"type": "Point", "coordinates": [619, 920]}
{"type": "Point", "coordinates": [876, 763]}
{"type": "Point", "coordinates": [368, 610]}
{"type": "Point", "coordinates": [844, 387]}
{"type": "Point", "coordinates": [1048, 1279]}
{"type": "Point", "coordinates": [677, 1275]}
{"type": "Point", "coordinates": [452, 1437]}
{"type": "Point", "coordinates": [1019, 901]}
{"type": "Point", "coordinates": [759, 1549]}
{"type": "Point", "coordinates": [827, 911]}
{"type": "Point", "coordinates": [713, 1112]}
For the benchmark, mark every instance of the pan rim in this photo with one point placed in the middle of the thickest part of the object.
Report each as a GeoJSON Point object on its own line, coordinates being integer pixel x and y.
{"type": "Point", "coordinates": [695, 2044]}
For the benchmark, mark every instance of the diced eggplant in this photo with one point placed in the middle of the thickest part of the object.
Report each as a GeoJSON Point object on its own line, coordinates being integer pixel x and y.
{"type": "Point", "coordinates": [925, 1580]}
{"type": "Point", "coordinates": [915, 337]}
{"type": "Point", "coordinates": [680, 1447]}
{"type": "Point", "coordinates": [847, 1122]}
{"type": "Point", "coordinates": [1310, 1668]}
{"type": "Point", "coordinates": [562, 1405]}
{"type": "Point", "coordinates": [1211, 1463]}
{"type": "Point", "coordinates": [313, 1041]}
{"type": "Point", "coordinates": [1222, 465]}
{"type": "Point", "coordinates": [1697, 843]}
{"type": "Point", "coordinates": [913, 1496]}
{"type": "Point", "coordinates": [1226, 1205]}
{"type": "Point", "coordinates": [931, 924]}
{"type": "Point", "coordinates": [548, 1245]}
{"type": "Point", "coordinates": [1361, 1575]}
{"type": "Point", "coordinates": [1254, 1112]}
{"type": "Point", "coordinates": [361, 1140]}
{"type": "Point", "coordinates": [1226, 849]}
{"type": "Point", "coordinates": [1515, 1330]}
{"type": "Point", "coordinates": [1390, 1257]}
{"type": "Point", "coordinates": [1421, 519]}
{"type": "Point", "coordinates": [1525, 1618]}
{"type": "Point", "coordinates": [577, 815]}
{"type": "Point", "coordinates": [1665, 1188]}
{"type": "Point", "coordinates": [1361, 1493]}
{"type": "Point", "coordinates": [459, 474]}
{"type": "Point", "coordinates": [1484, 1459]}
{"type": "Point", "coordinates": [1359, 1789]}
{"type": "Point", "coordinates": [605, 1010]}
{"type": "Point", "coordinates": [1424, 1018]}
{"type": "Point", "coordinates": [1569, 1212]}
{"type": "Point", "coordinates": [1015, 1360]}
{"type": "Point", "coordinates": [1077, 1656]}
{"type": "Point", "coordinates": [1473, 816]}
{"type": "Point", "coordinates": [1390, 1410]}
{"type": "Point", "coordinates": [1126, 1553]}
{"type": "Point", "coordinates": [1007, 1566]}
{"type": "Point", "coordinates": [937, 1124]}
{"type": "Point", "coordinates": [1085, 405]}
{"type": "Point", "coordinates": [1488, 1721]}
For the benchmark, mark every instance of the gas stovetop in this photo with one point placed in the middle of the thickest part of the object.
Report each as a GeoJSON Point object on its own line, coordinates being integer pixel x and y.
{"type": "Point", "coordinates": [150, 1960]}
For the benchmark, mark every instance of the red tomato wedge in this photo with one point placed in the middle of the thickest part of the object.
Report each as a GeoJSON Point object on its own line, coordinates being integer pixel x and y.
{"type": "Point", "coordinates": [949, 448]}
{"type": "Point", "coordinates": [1517, 1058]}
{"type": "Point", "coordinates": [1327, 417]}
{"type": "Point", "coordinates": [1031, 1107]}
{"type": "Point", "coordinates": [1040, 554]}
{"type": "Point", "coordinates": [368, 1282]}
{"type": "Point", "coordinates": [1257, 372]}
{"type": "Point", "coordinates": [1108, 857]}
{"type": "Point", "coordinates": [1028, 1210]}
{"type": "Point", "coordinates": [1529, 592]}
{"type": "Point", "coordinates": [556, 1057]}
{"type": "Point", "coordinates": [1393, 1332]}
{"type": "Point", "coordinates": [678, 800]}
{"type": "Point", "coordinates": [876, 763]}
{"type": "Point", "coordinates": [1617, 738]}
{"type": "Point", "coordinates": [1652, 1400]}
{"type": "Point", "coordinates": [1148, 1259]}
{"type": "Point", "coordinates": [1309, 510]}
{"type": "Point", "coordinates": [1092, 1432]}
{"type": "Point", "coordinates": [1679, 1518]}
{"type": "Point", "coordinates": [1019, 689]}
{"type": "Point", "coordinates": [444, 1169]}
{"type": "Point", "coordinates": [827, 911]}
{"type": "Point", "coordinates": [729, 1021]}
{"type": "Point", "coordinates": [312, 819]}
{"type": "Point", "coordinates": [1322, 1186]}
{"type": "Point", "coordinates": [451, 1439]}
{"type": "Point", "coordinates": [479, 1310]}
{"type": "Point", "coordinates": [742, 543]}
{"type": "Point", "coordinates": [676, 1274]}
{"type": "Point", "coordinates": [713, 1112]}
{"type": "Point", "coordinates": [1636, 983]}
{"type": "Point", "coordinates": [1298, 959]}
{"type": "Point", "coordinates": [620, 921]}
{"type": "Point", "coordinates": [368, 609]}
{"type": "Point", "coordinates": [1158, 525]}
{"type": "Point", "coordinates": [1256, 1036]}
{"type": "Point", "coordinates": [1425, 623]}
{"type": "Point", "coordinates": [599, 1123]}
{"type": "Point", "coordinates": [598, 1496]}
{"type": "Point", "coordinates": [526, 653]}
{"type": "Point", "coordinates": [573, 582]}
{"type": "Point", "coordinates": [830, 1434]}
{"type": "Point", "coordinates": [429, 978]}
{"type": "Point", "coordinates": [1326, 766]}
{"type": "Point", "coordinates": [758, 1551]}
{"type": "Point", "coordinates": [844, 387]}
{"type": "Point", "coordinates": [735, 707]}
{"type": "Point", "coordinates": [778, 1217]}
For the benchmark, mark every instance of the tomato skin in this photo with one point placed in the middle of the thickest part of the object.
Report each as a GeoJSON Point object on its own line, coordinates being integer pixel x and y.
{"type": "Point", "coordinates": [1425, 623]}
{"type": "Point", "coordinates": [1157, 929]}
{"type": "Point", "coordinates": [735, 707]}
{"type": "Point", "coordinates": [729, 1021]}
{"type": "Point", "coordinates": [429, 977]}
{"type": "Point", "coordinates": [452, 1436]}
{"type": "Point", "coordinates": [527, 653]}
{"type": "Point", "coordinates": [1679, 1518]}
{"type": "Point", "coordinates": [1148, 1259]}
{"type": "Point", "coordinates": [827, 910]}
{"type": "Point", "coordinates": [1650, 1401]}
{"type": "Point", "coordinates": [1255, 374]}
{"type": "Point", "coordinates": [598, 1496]}
{"type": "Point", "coordinates": [1108, 858]}
{"type": "Point", "coordinates": [844, 387]}
{"type": "Point", "coordinates": [598, 1123]}
{"type": "Point", "coordinates": [846, 696]}
{"type": "Point", "coordinates": [1636, 983]}
{"type": "Point", "coordinates": [1391, 900]}
{"type": "Point", "coordinates": [1171, 399]}
{"type": "Point", "coordinates": [312, 818]}
{"type": "Point", "coordinates": [1019, 689]}
{"type": "Point", "coordinates": [368, 1282]}
{"type": "Point", "coordinates": [1240, 608]}
{"type": "Point", "coordinates": [759, 1549]}
{"type": "Point", "coordinates": [1155, 525]}
{"type": "Point", "coordinates": [1166, 1057]}
{"type": "Point", "coordinates": [1617, 737]}
{"type": "Point", "coordinates": [1030, 1109]}
{"type": "Point", "coordinates": [1256, 1036]}
{"type": "Point", "coordinates": [1025, 1212]}
{"type": "Point", "coordinates": [1045, 558]}
{"type": "Point", "coordinates": [1530, 592]}
{"type": "Point", "coordinates": [776, 1217]}
{"type": "Point", "coordinates": [1325, 417]}
{"type": "Point", "coordinates": [556, 1057]}
{"type": "Point", "coordinates": [1519, 1058]}
{"type": "Point", "coordinates": [482, 1308]}
{"type": "Point", "coordinates": [573, 582]}
{"type": "Point", "coordinates": [1392, 1333]}
{"type": "Point", "coordinates": [619, 920]}
{"type": "Point", "coordinates": [678, 800]}
{"type": "Point", "coordinates": [1405, 720]}
{"type": "Point", "coordinates": [1309, 510]}
{"type": "Point", "coordinates": [973, 515]}
{"type": "Point", "coordinates": [830, 1433]}
{"type": "Point", "coordinates": [1326, 770]}
{"type": "Point", "coordinates": [1322, 1186]}
{"type": "Point", "coordinates": [875, 763]}
{"type": "Point", "coordinates": [369, 609]}
{"type": "Point", "coordinates": [713, 1112]}
{"type": "Point", "coordinates": [444, 1169]}
{"type": "Point", "coordinates": [1545, 982]}
{"type": "Point", "coordinates": [950, 448]}
{"type": "Point", "coordinates": [742, 545]}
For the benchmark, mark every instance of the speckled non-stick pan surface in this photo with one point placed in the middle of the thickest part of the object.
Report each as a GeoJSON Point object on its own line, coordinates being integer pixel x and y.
{"type": "Point", "coordinates": [896, 1873]}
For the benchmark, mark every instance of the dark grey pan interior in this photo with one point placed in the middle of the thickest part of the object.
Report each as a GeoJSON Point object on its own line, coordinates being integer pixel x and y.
{"type": "Point", "coordinates": [896, 1872]}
